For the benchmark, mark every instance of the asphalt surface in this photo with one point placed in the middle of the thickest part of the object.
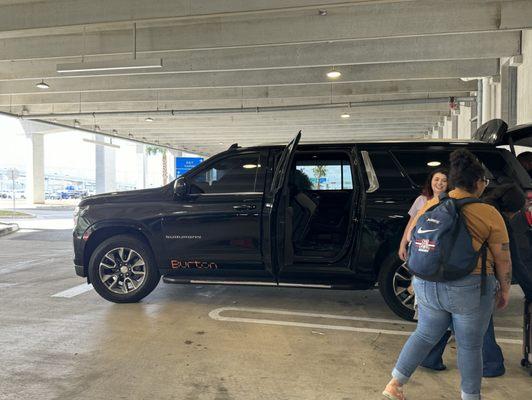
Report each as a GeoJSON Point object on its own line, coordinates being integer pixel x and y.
{"type": "Point", "coordinates": [204, 342]}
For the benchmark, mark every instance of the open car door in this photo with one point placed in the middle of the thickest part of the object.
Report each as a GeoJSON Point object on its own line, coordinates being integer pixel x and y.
{"type": "Point", "coordinates": [278, 248]}
{"type": "Point", "coordinates": [496, 132]}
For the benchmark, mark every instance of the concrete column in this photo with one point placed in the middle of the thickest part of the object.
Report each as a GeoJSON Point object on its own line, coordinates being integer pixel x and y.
{"type": "Point", "coordinates": [486, 100]}
{"type": "Point", "coordinates": [447, 128]}
{"type": "Point", "coordinates": [524, 80]}
{"type": "Point", "coordinates": [454, 126]}
{"type": "Point", "coordinates": [496, 97]}
{"type": "Point", "coordinates": [464, 121]}
{"type": "Point", "coordinates": [105, 166]}
{"type": "Point", "coordinates": [141, 166]}
{"type": "Point", "coordinates": [35, 168]}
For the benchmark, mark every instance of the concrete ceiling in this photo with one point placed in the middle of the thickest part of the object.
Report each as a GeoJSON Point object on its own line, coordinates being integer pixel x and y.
{"type": "Point", "coordinates": [252, 71]}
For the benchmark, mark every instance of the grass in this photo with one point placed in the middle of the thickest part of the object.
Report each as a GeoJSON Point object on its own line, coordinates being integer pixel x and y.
{"type": "Point", "coordinates": [10, 213]}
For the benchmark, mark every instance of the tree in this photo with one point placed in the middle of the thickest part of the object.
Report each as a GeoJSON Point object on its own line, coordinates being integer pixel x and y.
{"type": "Point", "coordinates": [319, 172]}
{"type": "Point", "coordinates": [154, 150]}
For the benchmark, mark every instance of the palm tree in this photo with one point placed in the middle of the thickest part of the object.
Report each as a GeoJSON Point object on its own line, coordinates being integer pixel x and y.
{"type": "Point", "coordinates": [153, 150]}
{"type": "Point", "coordinates": [319, 171]}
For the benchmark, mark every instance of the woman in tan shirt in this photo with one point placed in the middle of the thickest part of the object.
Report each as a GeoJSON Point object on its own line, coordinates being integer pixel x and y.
{"type": "Point", "coordinates": [460, 301]}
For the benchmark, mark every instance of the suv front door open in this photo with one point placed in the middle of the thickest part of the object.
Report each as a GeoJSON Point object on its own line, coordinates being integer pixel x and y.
{"type": "Point", "coordinates": [277, 229]}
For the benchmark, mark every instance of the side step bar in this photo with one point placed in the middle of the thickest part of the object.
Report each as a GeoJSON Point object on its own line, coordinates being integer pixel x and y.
{"type": "Point", "coordinates": [174, 279]}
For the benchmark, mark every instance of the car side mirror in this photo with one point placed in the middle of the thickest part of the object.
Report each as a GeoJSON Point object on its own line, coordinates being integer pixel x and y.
{"type": "Point", "coordinates": [180, 188]}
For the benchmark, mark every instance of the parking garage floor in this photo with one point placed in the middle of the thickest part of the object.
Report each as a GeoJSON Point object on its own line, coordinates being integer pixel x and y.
{"type": "Point", "coordinates": [60, 340]}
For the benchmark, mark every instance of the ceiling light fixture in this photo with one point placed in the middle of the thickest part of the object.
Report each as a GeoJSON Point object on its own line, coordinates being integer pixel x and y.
{"type": "Point", "coordinates": [76, 123]}
{"type": "Point", "coordinates": [43, 85]}
{"type": "Point", "coordinates": [434, 163]}
{"type": "Point", "coordinates": [334, 74]}
{"type": "Point", "coordinates": [149, 119]}
{"type": "Point", "coordinates": [109, 66]}
{"type": "Point", "coordinates": [345, 115]}
{"type": "Point", "coordinates": [322, 12]}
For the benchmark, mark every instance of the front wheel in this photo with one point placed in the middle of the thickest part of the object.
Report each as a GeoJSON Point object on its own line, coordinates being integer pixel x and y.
{"type": "Point", "coordinates": [122, 269]}
{"type": "Point", "coordinates": [395, 285]}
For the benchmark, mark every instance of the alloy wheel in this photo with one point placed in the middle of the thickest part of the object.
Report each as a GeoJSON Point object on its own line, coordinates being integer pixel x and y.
{"type": "Point", "coordinates": [402, 286]}
{"type": "Point", "coordinates": [122, 270]}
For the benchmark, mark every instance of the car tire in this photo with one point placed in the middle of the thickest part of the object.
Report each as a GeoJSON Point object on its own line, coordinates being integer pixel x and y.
{"type": "Point", "coordinates": [122, 269]}
{"type": "Point", "coordinates": [393, 287]}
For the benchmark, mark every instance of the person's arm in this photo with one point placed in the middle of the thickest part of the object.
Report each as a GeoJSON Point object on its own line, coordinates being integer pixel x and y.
{"type": "Point", "coordinates": [503, 271]}
{"type": "Point", "coordinates": [403, 247]}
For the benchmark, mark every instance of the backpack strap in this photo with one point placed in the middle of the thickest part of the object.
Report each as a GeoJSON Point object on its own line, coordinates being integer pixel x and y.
{"type": "Point", "coordinates": [484, 268]}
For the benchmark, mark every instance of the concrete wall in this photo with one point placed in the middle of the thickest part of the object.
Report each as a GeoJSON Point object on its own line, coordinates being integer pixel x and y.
{"type": "Point", "coordinates": [524, 81]}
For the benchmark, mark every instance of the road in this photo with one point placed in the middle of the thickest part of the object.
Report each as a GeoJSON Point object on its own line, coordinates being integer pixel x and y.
{"type": "Point", "coordinates": [203, 342]}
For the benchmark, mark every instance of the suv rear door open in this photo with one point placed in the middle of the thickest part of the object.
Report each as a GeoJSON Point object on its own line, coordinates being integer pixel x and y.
{"type": "Point", "coordinates": [277, 229]}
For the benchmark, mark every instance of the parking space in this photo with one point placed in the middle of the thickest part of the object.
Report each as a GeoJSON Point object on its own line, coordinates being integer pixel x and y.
{"type": "Point", "coordinates": [204, 342]}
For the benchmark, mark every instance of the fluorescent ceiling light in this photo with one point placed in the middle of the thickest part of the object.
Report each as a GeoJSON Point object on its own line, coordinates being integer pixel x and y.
{"type": "Point", "coordinates": [43, 85]}
{"type": "Point", "coordinates": [250, 166]}
{"type": "Point", "coordinates": [115, 146]}
{"type": "Point", "coordinates": [149, 119]}
{"type": "Point", "coordinates": [345, 116]}
{"type": "Point", "coordinates": [333, 74]}
{"type": "Point", "coordinates": [117, 65]}
{"type": "Point", "coordinates": [434, 163]}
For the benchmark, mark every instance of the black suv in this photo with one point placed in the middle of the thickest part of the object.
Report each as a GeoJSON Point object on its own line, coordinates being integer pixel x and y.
{"type": "Point", "coordinates": [326, 215]}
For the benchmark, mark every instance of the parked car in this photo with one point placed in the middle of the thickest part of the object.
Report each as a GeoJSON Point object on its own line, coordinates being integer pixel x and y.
{"type": "Point", "coordinates": [322, 215]}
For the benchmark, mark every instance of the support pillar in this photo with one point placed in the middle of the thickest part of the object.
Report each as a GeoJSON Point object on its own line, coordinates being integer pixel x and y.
{"type": "Point", "coordinates": [524, 80]}
{"type": "Point", "coordinates": [142, 166]}
{"type": "Point", "coordinates": [105, 166]}
{"type": "Point", "coordinates": [486, 100]}
{"type": "Point", "coordinates": [35, 168]}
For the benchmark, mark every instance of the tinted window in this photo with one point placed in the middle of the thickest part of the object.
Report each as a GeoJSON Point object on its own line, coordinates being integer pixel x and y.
{"type": "Point", "coordinates": [236, 174]}
{"type": "Point", "coordinates": [416, 163]}
{"type": "Point", "coordinates": [388, 173]}
{"type": "Point", "coordinates": [325, 174]}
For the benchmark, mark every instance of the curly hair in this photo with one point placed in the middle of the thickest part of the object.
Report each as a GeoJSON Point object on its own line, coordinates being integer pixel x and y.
{"type": "Point", "coordinates": [465, 170]}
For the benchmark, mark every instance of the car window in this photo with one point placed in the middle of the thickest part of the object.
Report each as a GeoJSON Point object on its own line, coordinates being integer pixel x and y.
{"type": "Point", "coordinates": [418, 164]}
{"type": "Point", "coordinates": [241, 173]}
{"type": "Point", "coordinates": [323, 174]}
{"type": "Point", "coordinates": [388, 173]}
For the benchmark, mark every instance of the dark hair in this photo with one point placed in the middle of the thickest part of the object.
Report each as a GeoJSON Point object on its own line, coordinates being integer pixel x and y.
{"type": "Point", "coordinates": [508, 197]}
{"type": "Point", "coordinates": [465, 170]}
{"type": "Point", "coordinates": [525, 157]}
{"type": "Point", "coordinates": [427, 187]}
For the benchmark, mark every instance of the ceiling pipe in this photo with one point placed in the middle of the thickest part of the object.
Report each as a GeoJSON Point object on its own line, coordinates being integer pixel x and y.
{"type": "Point", "coordinates": [257, 109]}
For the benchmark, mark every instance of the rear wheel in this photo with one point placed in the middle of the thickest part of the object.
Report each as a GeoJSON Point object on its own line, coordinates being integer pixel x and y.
{"type": "Point", "coordinates": [395, 286]}
{"type": "Point", "coordinates": [122, 269]}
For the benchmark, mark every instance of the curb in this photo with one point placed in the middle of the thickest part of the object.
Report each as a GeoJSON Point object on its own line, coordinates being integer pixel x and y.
{"type": "Point", "coordinates": [6, 229]}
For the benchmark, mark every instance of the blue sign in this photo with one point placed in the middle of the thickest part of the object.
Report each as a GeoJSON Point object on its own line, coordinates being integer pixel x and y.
{"type": "Point", "coordinates": [185, 164]}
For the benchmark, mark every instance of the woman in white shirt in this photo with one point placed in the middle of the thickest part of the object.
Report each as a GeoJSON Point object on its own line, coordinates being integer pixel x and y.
{"type": "Point", "coordinates": [435, 185]}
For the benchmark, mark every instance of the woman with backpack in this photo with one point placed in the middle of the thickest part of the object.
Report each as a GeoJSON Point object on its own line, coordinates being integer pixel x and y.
{"type": "Point", "coordinates": [467, 301]}
{"type": "Point", "coordinates": [435, 185]}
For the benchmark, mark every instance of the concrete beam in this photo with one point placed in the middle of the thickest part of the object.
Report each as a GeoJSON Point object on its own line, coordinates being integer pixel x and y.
{"type": "Point", "coordinates": [205, 23]}
{"type": "Point", "coordinates": [295, 76]}
{"type": "Point", "coordinates": [358, 89]}
{"type": "Point", "coordinates": [348, 52]}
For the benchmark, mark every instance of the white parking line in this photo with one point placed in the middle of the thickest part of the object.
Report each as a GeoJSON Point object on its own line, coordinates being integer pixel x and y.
{"type": "Point", "coordinates": [215, 314]}
{"type": "Point", "coordinates": [73, 292]}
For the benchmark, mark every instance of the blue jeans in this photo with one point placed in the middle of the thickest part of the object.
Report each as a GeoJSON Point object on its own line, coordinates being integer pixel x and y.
{"type": "Point", "coordinates": [492, 357]}
{"type": "Point", "coordinates": [441, 303]}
